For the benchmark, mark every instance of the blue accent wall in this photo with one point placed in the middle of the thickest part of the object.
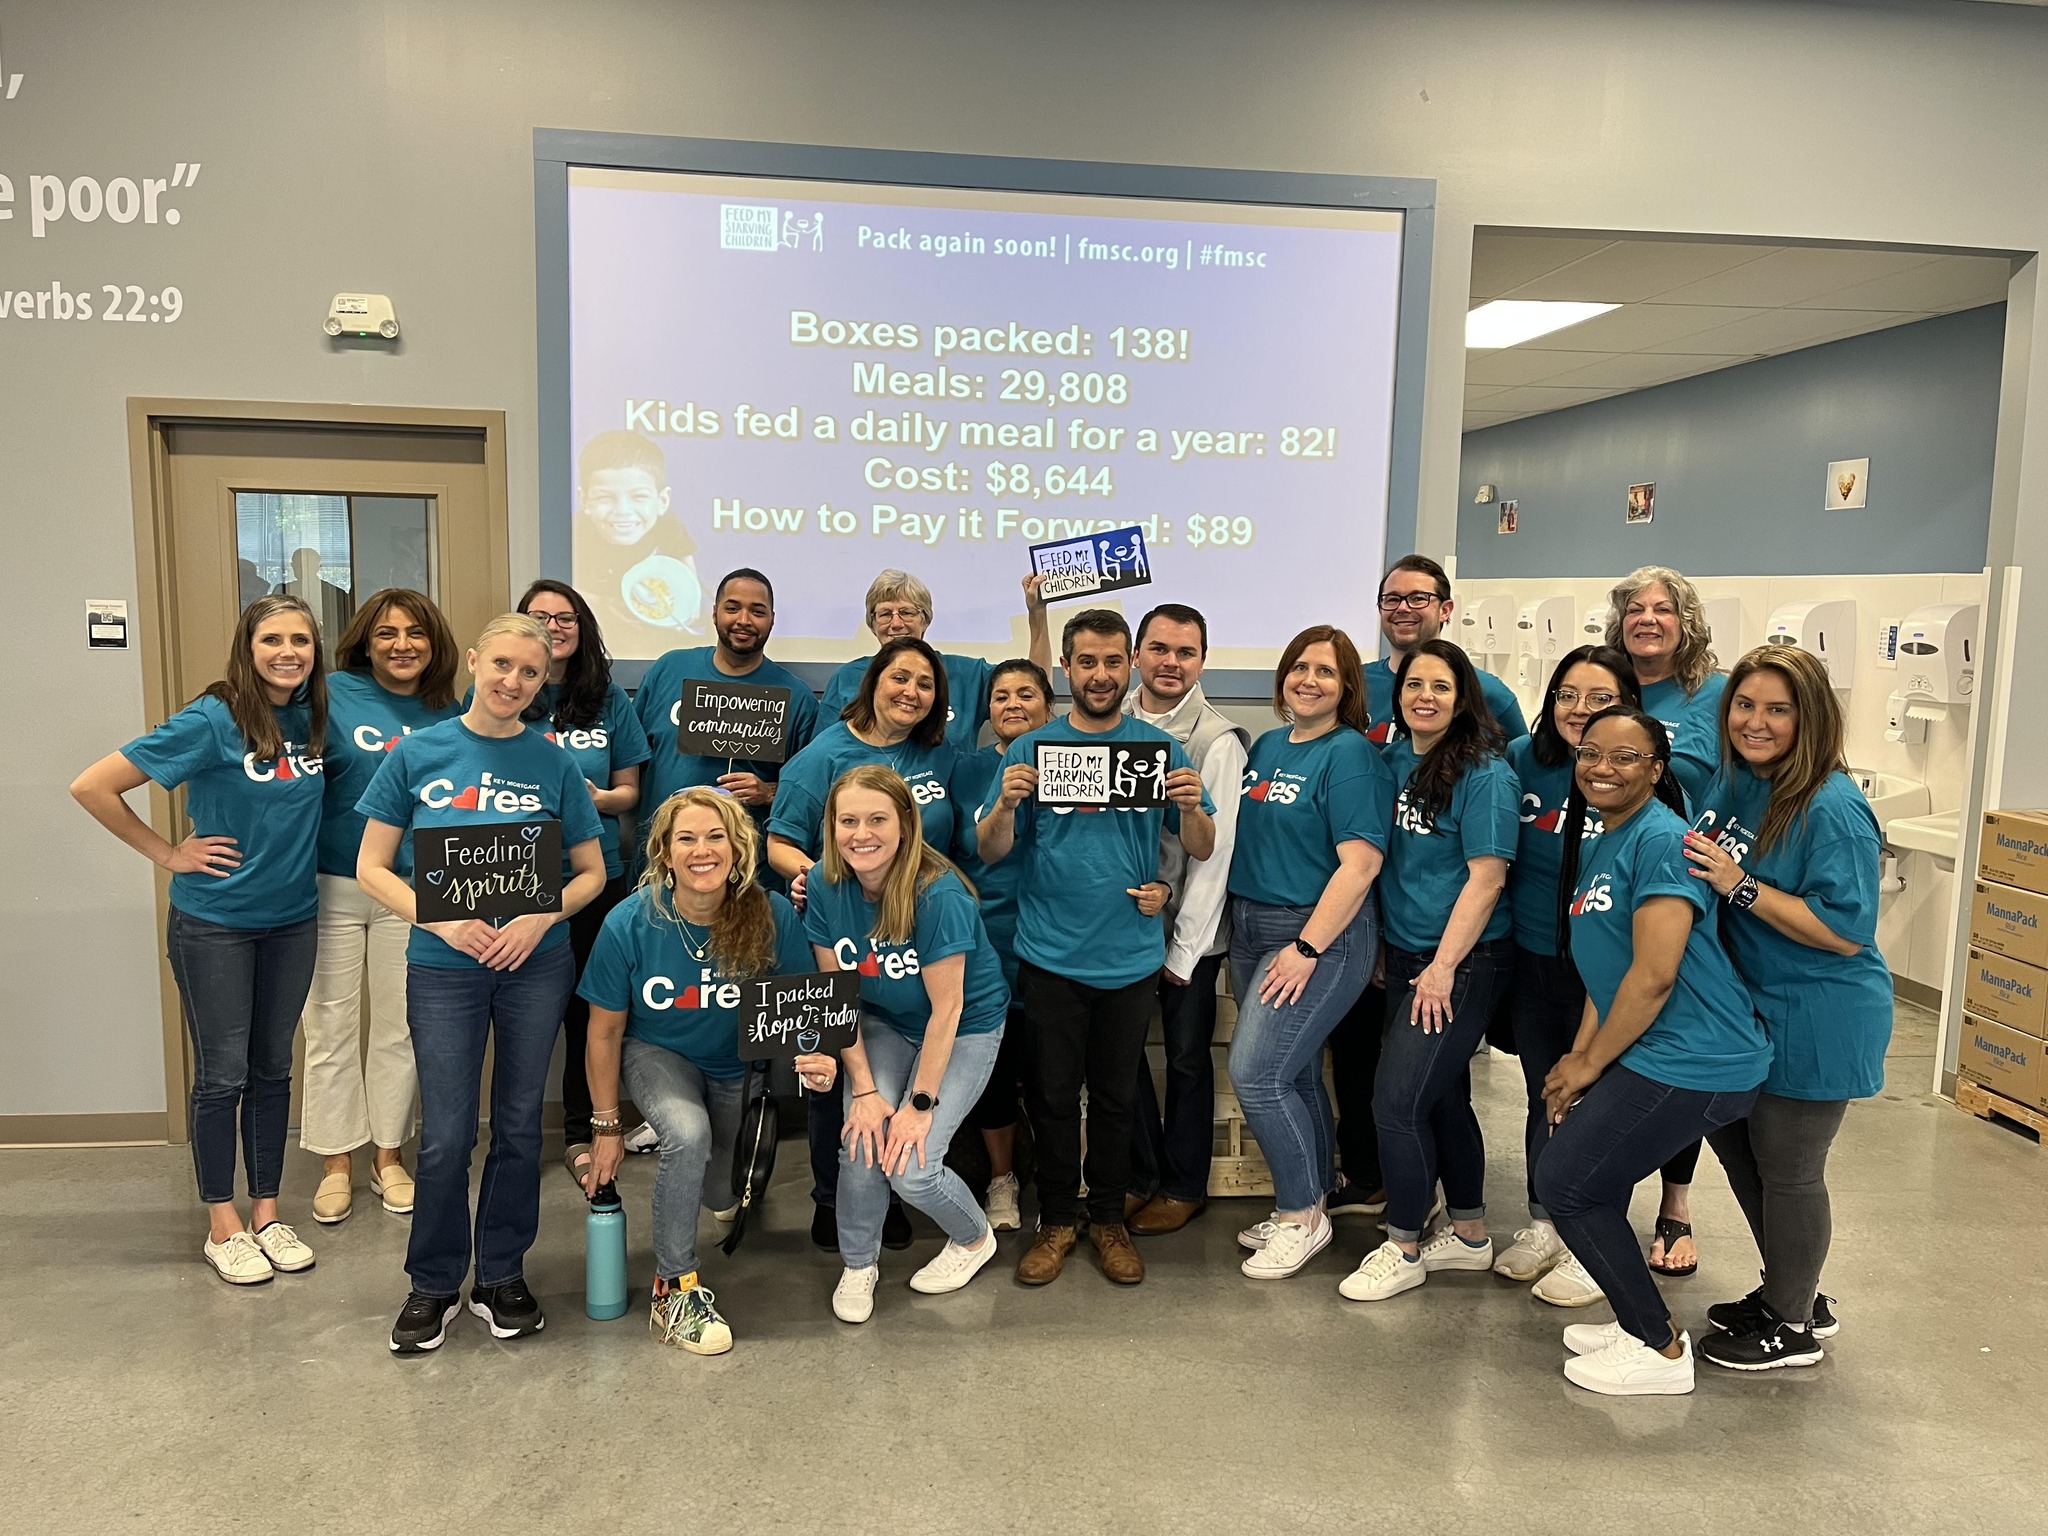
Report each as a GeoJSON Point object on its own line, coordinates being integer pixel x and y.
{"type": "Point", "coordinates": [1740, 461]}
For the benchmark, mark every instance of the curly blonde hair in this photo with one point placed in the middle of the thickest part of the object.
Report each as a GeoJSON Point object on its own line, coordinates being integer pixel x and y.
{"type": "Point", "coordinates": [743, 938]}
{"type": "Point", "coordinates": [1694, 661]}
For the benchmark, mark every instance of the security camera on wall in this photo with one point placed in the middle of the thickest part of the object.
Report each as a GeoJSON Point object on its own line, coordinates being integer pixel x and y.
{"type": "Point", "coordinates": [362, 314]}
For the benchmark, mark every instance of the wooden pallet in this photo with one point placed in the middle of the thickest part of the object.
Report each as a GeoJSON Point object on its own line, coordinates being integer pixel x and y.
{"type": "Point", "coordinates": [1986, 1105]}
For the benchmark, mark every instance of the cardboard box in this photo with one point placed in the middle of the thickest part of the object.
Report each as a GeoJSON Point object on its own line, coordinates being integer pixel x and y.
{"type": "Point", "coordinates": [2008, 992]}
{"type": "Point", "coordinates": [2004, 1061]}
{"type": "Point", "coordinates": [2014, 850]}
{"type": "Point", "coordinates": [2009, 921]}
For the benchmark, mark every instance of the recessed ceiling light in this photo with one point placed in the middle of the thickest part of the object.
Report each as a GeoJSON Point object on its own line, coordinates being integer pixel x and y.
{"type": "Point", "coordinates": [1510, 322]}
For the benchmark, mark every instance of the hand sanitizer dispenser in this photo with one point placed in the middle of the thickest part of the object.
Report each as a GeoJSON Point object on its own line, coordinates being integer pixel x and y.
{"type": "Point", "coordinates": [1938, 653]}
{"type": "Point", "coordinates": [1724, 624]}
{"type": "Point", "coordinates": [1484, 625]}
{"type": "Point", "coordinates": [1543, 633]}
{"type": "Point", "coordinates": [1593, 630]}
{"type": "Point", "coordinates": [1826, 629]}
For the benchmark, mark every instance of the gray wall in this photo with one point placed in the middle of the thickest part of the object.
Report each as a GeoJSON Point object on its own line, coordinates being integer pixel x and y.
{"type": "Point", "coordinates": [386, 145]}
{"type": "Point", "coordinates": [1740, 462]}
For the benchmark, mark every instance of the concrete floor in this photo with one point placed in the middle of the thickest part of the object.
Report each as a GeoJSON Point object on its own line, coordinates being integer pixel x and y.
{"type": "Point", "coordinates": [137, 1391]}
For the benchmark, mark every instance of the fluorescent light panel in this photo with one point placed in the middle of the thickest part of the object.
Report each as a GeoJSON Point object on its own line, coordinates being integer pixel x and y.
{"type": "Point", "coordinates": [1510, 322]}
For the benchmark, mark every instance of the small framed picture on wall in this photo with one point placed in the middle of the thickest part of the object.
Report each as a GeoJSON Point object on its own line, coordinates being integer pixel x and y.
{"type": "Point", "coordinates": [1642, 502]}
{"type": "Point", "coordinates": [1848, 484]}
{"type": "Point", "coordinates": [1510, 518]}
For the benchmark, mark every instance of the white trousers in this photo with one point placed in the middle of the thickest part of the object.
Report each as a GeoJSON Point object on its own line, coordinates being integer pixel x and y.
{"type": "Point", "coordinates": [352, 1099]}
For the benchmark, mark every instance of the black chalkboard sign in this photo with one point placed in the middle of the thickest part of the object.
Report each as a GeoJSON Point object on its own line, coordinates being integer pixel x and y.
{"type": "Point", "coordinates": [789, 1016]}
{"type": "Point", "coordinates": [490, 870]}
{"type": "Point", "coordinates": [737, 721]}
{"type": "Point", "coordinates": [1107, 773]}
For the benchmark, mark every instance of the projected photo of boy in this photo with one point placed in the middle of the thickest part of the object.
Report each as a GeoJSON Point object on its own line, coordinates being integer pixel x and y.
{"type": "Point", "coordinates": [635, 561]}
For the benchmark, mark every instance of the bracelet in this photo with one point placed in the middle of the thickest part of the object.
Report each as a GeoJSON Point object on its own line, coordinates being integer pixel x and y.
{"type": "Point", "coordinates": [604, 1114]}
{"type": "Point", "coordinates": [600, 1132]}
{"type": "Point", "coordinates": [870, 1094]}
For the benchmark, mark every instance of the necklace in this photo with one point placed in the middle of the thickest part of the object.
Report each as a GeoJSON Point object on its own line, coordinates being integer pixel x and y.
{"type": "Point", "coordinates": [697, 951]}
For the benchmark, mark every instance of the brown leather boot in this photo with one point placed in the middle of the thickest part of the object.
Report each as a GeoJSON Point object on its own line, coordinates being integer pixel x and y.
{"type": "Point", "coordinates": [1046, 1257]}
{"type": "Point", "coordinates": [1120, 1259]}
{"type": "Point", "coordinates": [1163, 1214]}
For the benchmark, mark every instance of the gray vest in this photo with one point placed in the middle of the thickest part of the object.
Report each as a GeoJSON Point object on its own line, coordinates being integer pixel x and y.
{"type": "Point", "coordinates": [1197, 726]}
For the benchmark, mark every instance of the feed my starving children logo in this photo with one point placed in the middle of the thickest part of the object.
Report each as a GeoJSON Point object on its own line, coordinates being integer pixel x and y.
{"type": "Point", "coordinates": [766, 227]}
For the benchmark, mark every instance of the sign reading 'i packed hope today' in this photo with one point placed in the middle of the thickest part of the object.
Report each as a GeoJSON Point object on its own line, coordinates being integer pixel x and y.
{"type": "Point", "coordinates": [491, 871]}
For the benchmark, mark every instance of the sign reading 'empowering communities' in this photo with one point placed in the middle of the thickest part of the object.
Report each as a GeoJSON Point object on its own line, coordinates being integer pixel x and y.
{"type": "Point", "coordinates": [739, 721]}
{"type": "Point", "coordinates": [1116, 774]}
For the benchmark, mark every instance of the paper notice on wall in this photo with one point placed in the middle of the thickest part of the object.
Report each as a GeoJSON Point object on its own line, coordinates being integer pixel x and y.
{"type": "Point", "coordinates": [106, 623]}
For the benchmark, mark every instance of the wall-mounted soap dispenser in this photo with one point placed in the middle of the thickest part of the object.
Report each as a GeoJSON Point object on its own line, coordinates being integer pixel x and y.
{"type": "Point", "coordinates": [1486, 627]}
{"type": "Point", "coordinates": [1937, 668]}
{"type": "Point", "coordinates": [1827, 629]}
{"type": "Point", "coordinates": [1543, 633]}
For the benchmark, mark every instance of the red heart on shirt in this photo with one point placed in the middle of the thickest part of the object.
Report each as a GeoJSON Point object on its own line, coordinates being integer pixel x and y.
{"type": "Point", "coordinates": [1258, 790]}
{"type": "Point", "coordinates": [871, 964]}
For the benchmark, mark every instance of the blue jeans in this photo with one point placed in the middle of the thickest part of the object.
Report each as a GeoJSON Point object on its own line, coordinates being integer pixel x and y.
{"type": "Point", "coordinates": [454, 1012]}
{"type": "Point", "coordinates": [1549, 1002]}
{"type": "Point", "coordinates": [698, 1120]}
{"type": "Point", "coordinates": [1422, 1097]}
{"type": "Point", "coordinates": [1276, 1051]}
{"type": "Point", "coordinates": [1620, 1133]}
{"type": "Point", "coordinates": [929, 1185]}
{"type": "Point", "coordinates": [1170, 1153]}
{"type": "Point", "coordinates": [243, 990]}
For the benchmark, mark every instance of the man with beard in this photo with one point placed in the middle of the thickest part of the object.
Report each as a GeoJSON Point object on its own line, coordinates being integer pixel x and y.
{"type": "Point", "coordinates": [1089, 945]}
{"type": "Point", "coordinates": [1415, 605]}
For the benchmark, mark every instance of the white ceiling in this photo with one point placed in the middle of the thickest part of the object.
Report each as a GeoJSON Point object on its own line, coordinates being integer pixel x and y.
{"type": "Point", "coordinates": [1690, 307]}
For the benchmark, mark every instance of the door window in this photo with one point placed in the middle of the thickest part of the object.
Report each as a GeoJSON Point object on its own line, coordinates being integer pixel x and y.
{"type": "Point", "coordinates": [332, 551]}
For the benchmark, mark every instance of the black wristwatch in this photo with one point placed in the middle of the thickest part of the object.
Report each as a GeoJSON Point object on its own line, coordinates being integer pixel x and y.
{"type": "Point", "coordinates": [1743, 897]}
{"type": "Point", "coordinates": [1308, 949]}
{"type": "Point", "coordinates": [924, 1103]}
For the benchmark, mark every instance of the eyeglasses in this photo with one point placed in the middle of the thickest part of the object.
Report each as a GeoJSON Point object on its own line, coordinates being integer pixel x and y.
{"type": "Point", "coordinates": [555, 620]}
{"type": "Point", "coordinates": [1622, 758]}
{"type": "Point", "coordinates": [884, 615]}
{"type": "Point", "coordinates": [1570, 697]}
{"type": "Point", "coordinates": [1391, 602]}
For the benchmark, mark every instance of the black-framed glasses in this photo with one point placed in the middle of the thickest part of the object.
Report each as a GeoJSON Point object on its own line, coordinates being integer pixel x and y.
{"type": "Point", "coordinates": [1623, 758]}
{"type": "Point", "coordinates": [555, 620]}
{"type": "Point", "coordinates": [1391, 602]}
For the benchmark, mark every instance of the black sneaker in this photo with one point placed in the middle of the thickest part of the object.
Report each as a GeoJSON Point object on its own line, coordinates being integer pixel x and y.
{"type": "Point", "coordinates": [1825, 1324]}
{"type": "Point", "coordinates": [1349, 1200]}
{"type": "Point", "coordinates": [825, 1228]}
{"type": "Point", "coordinates": [423, 1323]}
{"type": "Point", "coordinates": [510, 1309]}
{"type": "Point", "coordinates": [896, 1226]}
{"type": "Point", "coordinates": [1770, 1347]}
{"type": "Point", "coordinates": [1752, 1314]}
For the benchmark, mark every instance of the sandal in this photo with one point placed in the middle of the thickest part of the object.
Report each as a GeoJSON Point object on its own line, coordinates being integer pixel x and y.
{"type": "Point", "coordinates": [576, 1158]}
{"type": "Point", "coordinates": [1669, 1232]}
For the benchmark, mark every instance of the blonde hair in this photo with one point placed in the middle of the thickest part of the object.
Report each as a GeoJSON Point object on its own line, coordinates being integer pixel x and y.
{"type": "Point", "coordinates": [1816, 752]}
{"type": "Point", "coordinates": [899, 586]}
{"type": "Point", "coordinates": [917, 863]}
{"type": "Point", "coordinates": [1693, 662]}
{"type": "Point", "coordinates": [743, 938]}
{"type": "Point", "coordinates": [521, 626]}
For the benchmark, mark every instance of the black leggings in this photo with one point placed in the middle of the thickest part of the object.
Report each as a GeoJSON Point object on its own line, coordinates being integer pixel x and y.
{"type": "Point", "coordinates": [583, 928]}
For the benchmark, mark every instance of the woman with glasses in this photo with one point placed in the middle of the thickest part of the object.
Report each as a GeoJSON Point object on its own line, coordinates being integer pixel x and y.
{"type": "Point", "coordinates": [1668, 1048]}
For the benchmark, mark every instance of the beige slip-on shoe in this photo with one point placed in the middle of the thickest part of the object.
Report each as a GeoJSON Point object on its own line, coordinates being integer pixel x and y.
{"type": "Point", "coordinates": [394, 1187]}
{"type": "Point", "coordinates": [334, 1199]}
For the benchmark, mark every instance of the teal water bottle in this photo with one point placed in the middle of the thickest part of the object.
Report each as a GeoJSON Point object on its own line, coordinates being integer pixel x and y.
{"type": "Point", "coordinates": [604, 1255]}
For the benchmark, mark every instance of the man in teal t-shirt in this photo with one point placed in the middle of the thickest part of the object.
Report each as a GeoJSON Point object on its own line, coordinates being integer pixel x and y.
{"type": "Point", "coordinates": [1415, 604]}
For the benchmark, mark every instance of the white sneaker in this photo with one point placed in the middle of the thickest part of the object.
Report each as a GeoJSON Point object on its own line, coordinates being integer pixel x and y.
{"type": "Point", "coordinates": [1447, 1250]}
{"type": "Point", "coordinates": [727, 1216]}
{"type": "Point", "coordinates": [1536, 1250]}
{"type": "Point", "coordinates": [1003, 1215]}
{"type": "Point", "coordinates": [1630, 1368]}
{"type": "Point", "coordinates": [1568, 1285]}
{"type": "Point", "coordinates": [1590, 1338]}
{"type": "Point", "coordinates": [239, 1260]}
{"type": "Point", "coordinates": [642, 1138]}
{"type": "Point", "coordinates": [1289, 1249]}
{"type": "Point", "coordinates": [1259, 1233]}
{"type": "Point", "coordinates": [1436, 1209]}
{"type": "Point", "coordinates": [955, 1266]}
{"type": "Point", "coordinates": [853, 1298]}
{"type": "Point", "coordinates": [1387, 1271]}
{"type": "Point", "coordinates": [281, 1245]}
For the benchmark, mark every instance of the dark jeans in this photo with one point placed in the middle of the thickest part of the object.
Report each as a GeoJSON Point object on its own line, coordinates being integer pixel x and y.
{"type": "Point", "coordinates": [1777, 1164]}
{"type": "Point", "coordinates": [997, 1108]}
{"type": "Point", "coordinates": [1549, 1002]}
{"type": "Point", "coordinates": [1682, 1165]}
{"type": "Point", "coordinates": [454, 1013]}
{"type": "Point", "coordinates": [1082, 1035]}
{"type": "Point", "coordinates": [1618, 1134]}
{"type": "Point", "coordinates": [1354, 1066]}
{"type": "Point", "coordinates": [243, 991]}
{"type": "Point", "coordinates": [1170, 1154]}
{"type": "Point", "coordinates": [1422, 1098]}
{"type": "Point", "coordinates": [583, 928]}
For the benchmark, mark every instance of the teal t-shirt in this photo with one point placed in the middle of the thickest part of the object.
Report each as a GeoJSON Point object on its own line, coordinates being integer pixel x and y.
{"type": "Point", "coordinates": [1379, 702]}
{"type": "Point", "coordinates": [1707, 1036]}
{"type": "Point", "coordinates": [271, 808]}
{"type": "Point", "coordinates": [660, 696]}
{"type": "Point", "coordinates": [617, 740]}
{"type": "Point", "coordinates": [1539, 851]}
{"type": "Point", "coordinates": [973, 790]}
{"type": "Point", "coordinates": [1694, 724]}
{"type": "Point", "coordinates": [642, 967]}
{"type": "Point", "coordinates": [839, 917]}
{"type": "Point", "coordinates": [449, 776]}
{"type": "Point", "coordinates": [1299, 801]}
{"type": "Point", "coordinates": [966, 695]}
{"type": "Point", "coordinates": [1425, 868]}
{"type": "Point", "coordinates": [364, 721]}
{"type": "Point", "coordinates": [1829, 1016]}
{"type": "Point", "coordinates": [807, 778]}
{"type": "Point", "coordinates": [1075, 917]}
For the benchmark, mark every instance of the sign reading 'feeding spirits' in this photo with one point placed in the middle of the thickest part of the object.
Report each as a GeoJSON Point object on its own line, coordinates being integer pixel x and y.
{"type": "Point", "coordinates": [1100, 562]}
{"type": "Point", "coordinates": [789, 1016]}
{"type": "Point", "coordinates": [733, 720]}
{"type": "Point", "coordinates": [493, 870]}
{"type": "Point", "coordinates": [1114, 773]}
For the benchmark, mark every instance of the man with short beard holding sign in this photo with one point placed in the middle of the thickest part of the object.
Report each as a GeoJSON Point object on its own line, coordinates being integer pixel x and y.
{"type": "Point", "coordinates": [1089, 944]}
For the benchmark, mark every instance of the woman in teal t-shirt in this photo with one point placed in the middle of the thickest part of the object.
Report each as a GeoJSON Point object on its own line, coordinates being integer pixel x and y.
{"type": "Point", "coordinates": [1447, 958]}
{"type": "Point", "coordinates": [1789, 842]}
{"type": "Point", "coordinates": [394, 673]}
{"type": "Point", "coordinates": [243, 925]}
{"type": "Point", "coordinates": [665, 987]}
{"type": "Point", "coordinates": [887, 904]}
{"type": "Point", "coordinates": [1669, 1048]}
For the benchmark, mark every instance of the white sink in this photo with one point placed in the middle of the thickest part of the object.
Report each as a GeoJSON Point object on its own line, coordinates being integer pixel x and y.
{"type": "Point", "coordinates": [1940, 834]}
{"type": "Point", "coordinates": [1891, 797]}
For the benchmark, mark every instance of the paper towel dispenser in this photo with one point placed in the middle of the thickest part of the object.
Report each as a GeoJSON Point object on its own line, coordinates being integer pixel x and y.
{"type": "Point", "coordinates": [1826, 629]}
{"type": "Point", "coordinates": [1724, 625]}
{"type": "Point", "coordinates": [1938, 653]}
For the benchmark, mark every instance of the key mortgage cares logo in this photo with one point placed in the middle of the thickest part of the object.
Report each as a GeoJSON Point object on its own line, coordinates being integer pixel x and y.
{"type": "Point", "coordinates": [767, 227]}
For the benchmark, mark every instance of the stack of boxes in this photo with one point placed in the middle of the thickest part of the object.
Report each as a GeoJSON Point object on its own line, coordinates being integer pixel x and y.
{"type": "Point", "coordinates": [2005, 989]}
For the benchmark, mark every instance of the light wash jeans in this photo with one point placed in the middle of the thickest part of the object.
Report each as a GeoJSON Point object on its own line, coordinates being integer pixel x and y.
{"type": "Point", "coordinates": [352, 1099]}
{"type": "Point", "coordinates": [698, 1120]}
{"type": "Point", "coordinates": [930, 1185]}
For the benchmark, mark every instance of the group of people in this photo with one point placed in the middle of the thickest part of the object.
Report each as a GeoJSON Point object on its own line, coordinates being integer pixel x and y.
{"type": "Point", "coordinates": [1663, 899]}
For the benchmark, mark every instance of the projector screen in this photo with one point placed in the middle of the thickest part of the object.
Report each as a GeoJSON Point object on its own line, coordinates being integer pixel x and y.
{"type": "Point", "coordinates": [823, 378]}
